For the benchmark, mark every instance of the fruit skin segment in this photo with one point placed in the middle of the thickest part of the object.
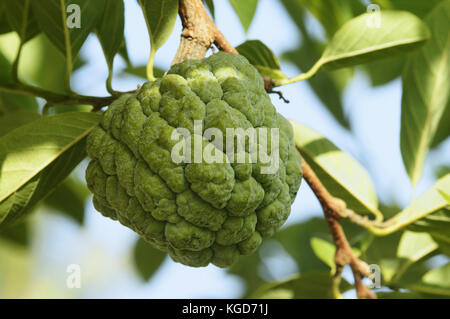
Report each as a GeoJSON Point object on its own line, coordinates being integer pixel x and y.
{"type": "Point", "coordinates": [198, 212]}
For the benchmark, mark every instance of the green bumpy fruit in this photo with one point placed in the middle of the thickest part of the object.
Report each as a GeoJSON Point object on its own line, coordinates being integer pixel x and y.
{"type": "Point", "coordinates": [199, 213]}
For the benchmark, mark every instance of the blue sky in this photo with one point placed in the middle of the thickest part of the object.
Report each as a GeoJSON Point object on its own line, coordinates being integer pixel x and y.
{"type": "Point", "coordinates": [103, 248]}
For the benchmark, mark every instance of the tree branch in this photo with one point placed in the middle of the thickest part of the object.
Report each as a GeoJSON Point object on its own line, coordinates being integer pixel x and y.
{"type": "Point", "coordinates": [335, 209]}
{"type": "Point", "coordinates": [199, 33]}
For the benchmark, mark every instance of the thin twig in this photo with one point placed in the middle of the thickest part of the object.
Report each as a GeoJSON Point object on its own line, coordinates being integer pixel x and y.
{"type": "Point", "coordinates": [334, 209]}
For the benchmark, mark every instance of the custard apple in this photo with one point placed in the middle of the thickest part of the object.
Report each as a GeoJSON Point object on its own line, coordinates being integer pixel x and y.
{"type": "Point", "coordinates": [199, 212]}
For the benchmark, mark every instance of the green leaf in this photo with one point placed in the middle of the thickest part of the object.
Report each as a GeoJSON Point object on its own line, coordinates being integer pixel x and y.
{"type": "Point", "coordinates": [147, 259]}
{"type": "Point", "coordinates": [110, 34]}
{"type": "Point", "coordinates": [160, 17]}
{"type": "Point", "coordinates": [328, 86]}
{"type": "Point", "coordinates": [123, 52]}
{"type": "Point", "coordinates": [5, 70]}
{"type": "Point", "coordinates": [21, 19]}
{"type": "Point", "coordinates": [10, 121]}
{"type": "Point", "coordinates": [69, 198]}
{"type": "Point", "coordinates": [431, 201]}
{"type": "Point", "coordinates": [438, 222]}
{"type": "Point", "coordinates": [295, 239]}
{"type": "Point", "coordinates": [425, 92]}
{"type": "Point", "coordinates": [22, 202]}
{"type": "Point", "coordinates": [384, 71]}
{"type": "Point", "coordinates": [19, 234]}
{"type": "Point", "coordinates": [53, 18]}
{"type": "Point", "coordinates": [331, 13]}
{"type": "Point", "coordinates": [140, 71]}
{"type": "Point", "coordinates": [248, 269]}
{"type": "Point", "coordinates": [10, 102]}
{"type": "Point", "coordinates": [383, 252]}
{"type": "Point", "coordinates": [4, 25]}
{"type": "Point", "coordinates": [43, 65]}
{"type": "Point", "coordinates": [343, 176]}
{"type": "Point", "coordinates": [313, 285]}
{"type": "Point", "coordinates": [438, 226]}
{"type": "Point", "coordinates": [412, 247]}
{"type": "Point", "coordinates": [436, 281]}
{"type": "Point", "coordinates": [25, 154]}
{"type": "Point", "coordinates": [443, 240]}
{"type": "Point", "coordinates": [324, 249]}
{"type": "Point", "coordinates": [399, 295]}
{"type": "Point", "coordinates": [245, 10]}
{"type": "Point", "coordinates": [258, 54]}
{"type": "Point", "coordinates": [110, 29]}
{"type": "Point", "coordinates": [359, 41]}
{"type": "Point", "coordinates": [15, 270]}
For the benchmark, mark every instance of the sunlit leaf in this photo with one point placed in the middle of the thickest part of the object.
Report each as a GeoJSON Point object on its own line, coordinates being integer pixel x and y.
{"type": "Point", "coordinates": [110, 29]}
{"type": "Point", "coordinates": [59, 22]}
{"type": "Point", "coordinates": [438, 226]}
{"type": "Point", "coordinates": [248, 269]}
{"type": "Point", "coordinates": [10, 121]}
{"type": "Point", "coordinates": [69, 198]}
{"type": "Point", "coordinates": [412, 247]}
{"type": "Point", "coordinates": [140, 71]}
{"type": "Point", "coordinates": [21, 19]}
{"type": "Point", "coordinates": [383, 252]}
